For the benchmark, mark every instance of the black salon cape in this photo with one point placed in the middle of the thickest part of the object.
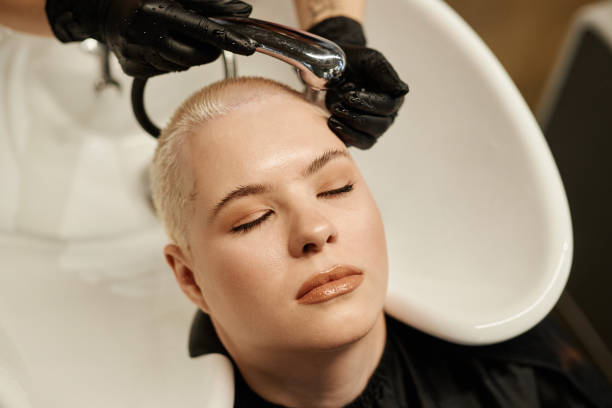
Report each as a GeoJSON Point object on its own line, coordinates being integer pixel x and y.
{"type": "Point", "coordinates": [540, 368]}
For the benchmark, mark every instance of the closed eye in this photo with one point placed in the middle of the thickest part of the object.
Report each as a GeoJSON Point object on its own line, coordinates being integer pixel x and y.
{"type": "Point", "coordinates": [326, 194]}
{"type": "Point", "coordinates": [249, 225]}
{"type": "Point", "coordinates": [337, 192]}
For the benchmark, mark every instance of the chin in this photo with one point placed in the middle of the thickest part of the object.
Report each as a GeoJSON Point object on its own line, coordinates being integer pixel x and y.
{"type": "Point", "coordinates": [341, 325]}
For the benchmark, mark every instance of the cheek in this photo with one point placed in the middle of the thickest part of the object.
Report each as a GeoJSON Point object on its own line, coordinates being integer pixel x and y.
{"type": "Point", "coordinates": [365, 233]}
{"type": "Point", "coordinates": [376, 231]}
{"type": "Point", "coordinates": [240, 271]}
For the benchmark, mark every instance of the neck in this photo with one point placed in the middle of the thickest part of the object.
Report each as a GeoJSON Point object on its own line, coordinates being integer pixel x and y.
{"type": "Point", "coordinates": [329, 378]}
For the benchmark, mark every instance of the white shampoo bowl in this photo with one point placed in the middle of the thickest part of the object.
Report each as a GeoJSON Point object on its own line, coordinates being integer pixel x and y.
{"type": "Point", "coordinates": [478, 224]}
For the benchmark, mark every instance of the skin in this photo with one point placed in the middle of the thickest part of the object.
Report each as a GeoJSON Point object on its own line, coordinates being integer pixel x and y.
{"type": "Point", "coordinates": [248, 281]}
{"type": "Point", "coordinates": [310, 12]}
{"type": "Point", "coordinates": [27, 16]}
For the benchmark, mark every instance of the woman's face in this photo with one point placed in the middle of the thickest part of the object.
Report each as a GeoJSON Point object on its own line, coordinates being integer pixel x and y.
{"type": "Point", "coordinates": [251, 257]}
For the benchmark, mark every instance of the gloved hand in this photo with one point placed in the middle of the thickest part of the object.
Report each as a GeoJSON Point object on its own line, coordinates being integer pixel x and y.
{"type": "Point", "coordinates": [151, 37]}
{"type": "Point", "coordinates": [365, 103]}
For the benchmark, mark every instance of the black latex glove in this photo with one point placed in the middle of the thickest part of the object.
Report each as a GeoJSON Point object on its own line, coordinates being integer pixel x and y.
{"type": "Point", "coordinates": [365, 103]}
{"type": "Point", "coordinates": [151, 37]}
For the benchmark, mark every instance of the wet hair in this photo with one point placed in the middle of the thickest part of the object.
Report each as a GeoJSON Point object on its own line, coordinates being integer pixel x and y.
{"type": "Point", "coordinates": [172, 196]}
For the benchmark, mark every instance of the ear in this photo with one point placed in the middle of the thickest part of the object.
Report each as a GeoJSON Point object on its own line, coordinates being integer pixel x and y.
{"type": "Point", "coordinates": [184, 275]}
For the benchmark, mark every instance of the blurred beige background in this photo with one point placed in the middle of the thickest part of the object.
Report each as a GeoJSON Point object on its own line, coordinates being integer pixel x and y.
{"type": "Point", "coordinates": [525, 35]}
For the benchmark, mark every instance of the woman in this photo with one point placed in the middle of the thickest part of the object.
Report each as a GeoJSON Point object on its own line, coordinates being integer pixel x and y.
{"type": "Point", "coordinates": [277, 239]}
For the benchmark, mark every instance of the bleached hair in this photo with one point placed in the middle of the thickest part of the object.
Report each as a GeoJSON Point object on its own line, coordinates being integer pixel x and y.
{"type": "Point", "coordinates": [171, 194]}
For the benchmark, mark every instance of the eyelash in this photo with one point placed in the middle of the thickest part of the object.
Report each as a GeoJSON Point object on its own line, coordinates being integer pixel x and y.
{"type": "Point", "coordinates": [330, 194]}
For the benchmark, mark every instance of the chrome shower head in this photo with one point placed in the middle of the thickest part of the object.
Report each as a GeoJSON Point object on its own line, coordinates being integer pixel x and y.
{"type": "Point", "coordinates": [319, 61]}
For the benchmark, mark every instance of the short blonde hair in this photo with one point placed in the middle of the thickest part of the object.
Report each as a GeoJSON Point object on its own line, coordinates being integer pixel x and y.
{"type": "Point", "coordinates": [170, 192]}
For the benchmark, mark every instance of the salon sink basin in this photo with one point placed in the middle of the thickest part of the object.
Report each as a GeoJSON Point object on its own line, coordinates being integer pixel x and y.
{"type": "Point", "coordinates": [478, 225]}
{"type": "Point", "coordinates": [477, 222]}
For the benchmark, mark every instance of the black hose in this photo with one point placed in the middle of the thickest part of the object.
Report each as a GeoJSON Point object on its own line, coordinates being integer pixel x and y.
{"type": "Point", "coordinates": [138, 88]}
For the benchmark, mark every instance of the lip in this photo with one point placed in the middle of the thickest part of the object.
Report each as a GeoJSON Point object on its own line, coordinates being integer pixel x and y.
{"type": "Point", "coordinates": [337, 281]}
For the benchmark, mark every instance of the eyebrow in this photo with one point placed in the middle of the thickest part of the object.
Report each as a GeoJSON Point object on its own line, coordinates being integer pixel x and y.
{"type": "Point", "coordinates": [254, 189]}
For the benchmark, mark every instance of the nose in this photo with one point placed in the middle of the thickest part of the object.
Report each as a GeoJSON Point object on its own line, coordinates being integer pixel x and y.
{"type": "Point", "coordinates": [310, 232]}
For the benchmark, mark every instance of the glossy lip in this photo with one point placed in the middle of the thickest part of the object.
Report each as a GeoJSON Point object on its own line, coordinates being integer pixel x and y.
{"type": "Point", "coordinates": [335, 273]}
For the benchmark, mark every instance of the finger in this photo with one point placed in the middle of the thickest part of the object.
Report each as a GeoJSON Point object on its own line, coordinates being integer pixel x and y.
{"type": "Point", "coordinates": [211, 8]}
{"type": "Point", "coordinates": [186, 55]}
{"type": "Point", "coordinates": [374, 68]}
{"type": "Point", "coordinates": [201, 29]}
{"type": "Point", "coordinates": [332, 98]}
{"type": "Point", "coordinates": [372, 125]}
{"type": "Point", "coordinates": [335, 92]}
{"type": "Point", "coordinates": [139, 70]}
{"type": "Point", "coordinates": [161, 64]}
{"type": "Point", "coordinates": [133, 62]}
{"type": "Point", "coordinates": [371, 102]}
{"type": "Point", "coordinates": [349, 136]}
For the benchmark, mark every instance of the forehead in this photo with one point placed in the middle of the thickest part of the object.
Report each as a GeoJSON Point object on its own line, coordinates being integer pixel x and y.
{"type": "Point", "coordinates": [264, 139]}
